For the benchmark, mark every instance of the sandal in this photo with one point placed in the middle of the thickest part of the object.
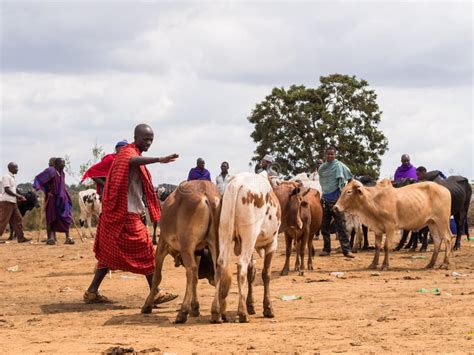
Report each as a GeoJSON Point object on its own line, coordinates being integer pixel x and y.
{"type": "Point", "coordinates": [95, 297]}
{"type": "Point", "coordinates": [50, 242]}
{"type": "Point", "coordinates": [164, 297]}
{"type": "Point", "coordinates": [69, 241]}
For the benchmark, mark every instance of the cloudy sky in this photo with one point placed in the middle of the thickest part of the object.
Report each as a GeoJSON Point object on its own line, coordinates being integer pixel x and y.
{"type": "Point", "coordinates": [76, 73]}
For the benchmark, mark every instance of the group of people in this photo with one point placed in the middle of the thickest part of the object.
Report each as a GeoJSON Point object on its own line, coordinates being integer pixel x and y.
{"type": "Point", "coordinates": [122, 241]}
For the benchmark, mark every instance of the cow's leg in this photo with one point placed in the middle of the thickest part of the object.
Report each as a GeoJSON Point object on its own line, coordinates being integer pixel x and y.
{"type": "Point", "coordinates": [446, 235]}
{"type": "Point", "coordinates": [155, 225]}
{"type": "Point", "coordinates": [414, 235]}
{"type": "Point", "coordinates": [161, 252]}
{"type": "Point", "coordinates": [242, 268]}
{"type": "Point", "coordinates": [466, 227]}
{"type": "Point", "coordinates": [424, 239]}
{"type": "Point", "coordinates": [302, 246]}
{"type": "Point", "coordinates": [458, 219]}
{"type": "Point", "coordinates": [437, 239]}
{"type": "Point", "coordinates": [223, 281]}
{"type": "Point", "coordinates": [310, 252]}
{"type": "Point", "coordinates": [358, 239]}
{"type": "Point", "coordinates": [353, 233]}
{"type": "Point", "coordinates": [388, 242]}
{"type": "Point", "coordinates": [267, 303]}
{"type": "Point", "coordinates": [378, 244]}
{"type": "Point", "coordinates": [189, 262]}
{"type": "Point", "coordinates": [250, 279]}
{"type": "Point", "coordinates": [288, 242]}
{"type": "Point", "coordinates": [194, 312]}
{"type": "Point", "coordinates": [403, 240]}
{"type": "Point", "coordinates": [89, 225]}
{"type": "Point", "coordinates": [365, 231]}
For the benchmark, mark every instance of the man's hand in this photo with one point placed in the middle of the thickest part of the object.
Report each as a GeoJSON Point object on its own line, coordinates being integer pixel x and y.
{"type": "Point", "coordinates": [21, 198]}
{"type": "Point", "coordinates": [169, 158]}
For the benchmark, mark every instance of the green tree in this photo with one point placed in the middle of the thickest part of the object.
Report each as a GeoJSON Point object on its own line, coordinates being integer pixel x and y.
{"type": "Point", "coordinates": [298, 124]}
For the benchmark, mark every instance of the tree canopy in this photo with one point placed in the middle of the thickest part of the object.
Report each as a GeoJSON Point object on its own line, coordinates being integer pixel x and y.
{"type": "Point", "coordinates": [296, 125]}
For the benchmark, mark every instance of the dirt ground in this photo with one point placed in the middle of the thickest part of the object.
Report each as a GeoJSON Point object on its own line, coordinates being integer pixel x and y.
{"type": "Point", "coordinates": [41, 308]}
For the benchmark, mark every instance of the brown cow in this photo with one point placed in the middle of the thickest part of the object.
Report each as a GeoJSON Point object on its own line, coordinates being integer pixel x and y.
{"type": "Point", "coordinates": [301, 218]}
{"type": "Point", "coordinates": [189, 223]}
{"type": "Point", "coordinates": [385, 209]}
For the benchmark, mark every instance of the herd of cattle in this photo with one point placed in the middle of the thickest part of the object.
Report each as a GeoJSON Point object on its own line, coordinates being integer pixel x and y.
{"type": "Point", "coordinates": [196, 221]}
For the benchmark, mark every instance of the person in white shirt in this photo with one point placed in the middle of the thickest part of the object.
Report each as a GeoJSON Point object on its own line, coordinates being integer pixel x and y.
{"type": "Point", "coordinates": [223, 178]}
{"type": "Point", "coordinates": [9, 213]}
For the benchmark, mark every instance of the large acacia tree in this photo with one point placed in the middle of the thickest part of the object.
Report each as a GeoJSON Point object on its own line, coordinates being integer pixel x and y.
{"type": "Point", "coordinates": [298, 124]}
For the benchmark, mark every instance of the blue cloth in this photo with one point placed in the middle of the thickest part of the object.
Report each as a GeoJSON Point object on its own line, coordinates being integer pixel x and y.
{"type": "Point", "coordinates": [199, 174]}
{"type": "Point", "coordinates": [332, 196]}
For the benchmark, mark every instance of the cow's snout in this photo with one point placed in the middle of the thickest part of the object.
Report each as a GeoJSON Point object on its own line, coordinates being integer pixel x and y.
{"type": "Point", "coordinates": [336, 209]}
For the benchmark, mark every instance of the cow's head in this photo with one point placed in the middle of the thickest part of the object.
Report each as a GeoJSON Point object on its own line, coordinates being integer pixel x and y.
{"type": "Point", "coordinates": [31, 199]}
{"type": "Point", "coordinates": [291, 196]}
{"type": "Point", "coordinates": [351, 197]}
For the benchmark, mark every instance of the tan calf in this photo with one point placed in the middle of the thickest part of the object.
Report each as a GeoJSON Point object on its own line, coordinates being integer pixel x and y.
{"type": "Point", "coordinates": [385, 209]}
{"type": "Point", "coordinates": [189, 223]}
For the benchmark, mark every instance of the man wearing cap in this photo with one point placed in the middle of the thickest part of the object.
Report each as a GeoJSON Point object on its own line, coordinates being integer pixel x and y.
{"type": "Point", "coordinates": [9, 213]}
{"type": "Point", "coordinates": [98, 172]}
{"type": "Point", "coordinates": [199, 172]}
{"type": "Point", "coordinates": [266, 165]}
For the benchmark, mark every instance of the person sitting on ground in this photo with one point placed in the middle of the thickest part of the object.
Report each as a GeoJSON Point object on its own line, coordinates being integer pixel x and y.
{"type": "Point", "coordinates": [406, 170]}
{"type": "Point", "coordinates": [58, 204]}
{"type": "Point", "coordinates": [199, 172]}
{"type": "Point", "coordinates": [223, 178]}
{"type": "Point", "coordinates": [98, 172]}
{"type": "Point", "coordinates": [122, 241]}
{"type": "Point", "coordinates": [433, 175]}
{"type": "Point", "coordinates": [9, 213]}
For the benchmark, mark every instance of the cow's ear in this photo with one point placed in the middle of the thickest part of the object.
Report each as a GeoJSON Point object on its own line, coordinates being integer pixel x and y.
{"type": "Point", "coordinates": [359, 190]}
{"type": "Point", "coordinates": [304, 204]}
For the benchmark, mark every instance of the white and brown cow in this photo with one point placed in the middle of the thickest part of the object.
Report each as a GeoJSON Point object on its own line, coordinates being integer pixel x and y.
{"type": "Point", "coordinates": [385, 209]}
{"type": "Point", "coordinates": [250, 218]}
{"type": "Point", "coordinates": [89, 204]}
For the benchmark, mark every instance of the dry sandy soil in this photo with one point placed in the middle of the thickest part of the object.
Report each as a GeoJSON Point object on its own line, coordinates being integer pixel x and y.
{"type": "Point", "coordinates": [41, 308]}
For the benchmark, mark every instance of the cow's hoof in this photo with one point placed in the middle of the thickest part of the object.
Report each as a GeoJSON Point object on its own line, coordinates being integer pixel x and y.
{"type": "Point", "coordinates": [268, 313]}
{"type": "Point", "coordinates": [444, 266]}
{"type": "Point", "coordinates": [430, 266]}
{"type": "Point", "coordinates": [182, 317]}
{"type": "Point", "coordinates": [301, 273]}
{"type": "Point", "coordinates": [310, 267]}
{"type": "Point", "coordinates": [146, 309]}
{"type": "Point", "coordinates": [216, 318]}
{"type": "Point", "coordinates": [251, 309]}
{"type": "Point", "coordinates": [243, 318]}
{"type": "Point", "coordinates": [373, 266]}
{"type": "Point", "coordinates": [284, 272]}
{"type": "Point", "coordinates": [384, 268]}
{"type": "Point", "coordinates": [194, 312]}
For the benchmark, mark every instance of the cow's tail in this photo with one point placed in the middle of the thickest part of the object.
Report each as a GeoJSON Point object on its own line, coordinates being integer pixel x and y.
{"type": "Point", "coordinates": [227, 223]}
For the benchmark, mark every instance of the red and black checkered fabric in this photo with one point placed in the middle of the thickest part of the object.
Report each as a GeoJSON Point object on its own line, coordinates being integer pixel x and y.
{"type": "Point", "coordinates": [122, 240]}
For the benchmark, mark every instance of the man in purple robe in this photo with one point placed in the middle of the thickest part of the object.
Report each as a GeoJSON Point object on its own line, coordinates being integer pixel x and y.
{"type": "Point", "coordinates": [199, 172]}
{"type": "Point", "coordinates": [58, 204]}
{"type": "Point", "coordinates": [406, 170]}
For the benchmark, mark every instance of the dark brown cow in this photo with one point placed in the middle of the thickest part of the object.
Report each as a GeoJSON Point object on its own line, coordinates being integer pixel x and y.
{"type": "Point", "coordinates": [189, 224]}
{"type": "Point", "coordinates": [301, 218]}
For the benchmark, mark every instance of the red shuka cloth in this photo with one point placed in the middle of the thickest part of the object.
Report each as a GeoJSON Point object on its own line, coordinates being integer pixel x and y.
{"type": "Point", "coordinates": [100, 170]}
{"type": "Point", "coordinates": [122, 241]}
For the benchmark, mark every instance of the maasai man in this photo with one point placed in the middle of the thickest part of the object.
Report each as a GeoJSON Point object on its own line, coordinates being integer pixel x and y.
{"type": "Point", "coordinates": [433, 175]}
{"type": "Point", "coordinates": [199, 172]}
{"type": "Point", "coordinates": [122, 241]}
{"type": "Point", "coordinates": [9, 213]}
{"type": "Point", "coordinates": [406, 170]}
{"type": "Point", "coordinates": [98, 172]}
{"type": "Point", "coordinates": [58, 204]}
{"type": "Point", "coordinates": [333, 175]}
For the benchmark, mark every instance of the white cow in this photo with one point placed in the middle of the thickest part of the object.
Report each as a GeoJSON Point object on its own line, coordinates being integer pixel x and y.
{"type": "Point", "coordinates": [311, 182]}
{"type": "Point", "coordinates": [250, 218]}
{"type": "Point", "coordinates": [89, 204]}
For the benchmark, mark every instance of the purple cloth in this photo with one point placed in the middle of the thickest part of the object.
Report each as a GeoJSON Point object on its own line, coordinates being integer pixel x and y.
{"type": "Point", "coordinates": [404, 172]}
{"type": "Point", "coordinates": [198, 174]}
{"type": "Point", "coordinates": [58, 204]}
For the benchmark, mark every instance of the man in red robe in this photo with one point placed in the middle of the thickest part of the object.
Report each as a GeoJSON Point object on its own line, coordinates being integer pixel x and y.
{"type": "Point", "coordinates": [122, 241]}
{"type": "Point", "coordinates": [98, 172]}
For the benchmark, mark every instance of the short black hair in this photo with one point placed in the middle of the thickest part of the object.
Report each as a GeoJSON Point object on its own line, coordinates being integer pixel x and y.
{"type": "Point", "coordinates": [421, 169]}
{"type": "Point", "coordinates": [331, 147]}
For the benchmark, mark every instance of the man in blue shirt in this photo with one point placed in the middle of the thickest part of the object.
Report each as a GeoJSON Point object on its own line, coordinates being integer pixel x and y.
{"type": "Point", "coordinates": [333, 175]}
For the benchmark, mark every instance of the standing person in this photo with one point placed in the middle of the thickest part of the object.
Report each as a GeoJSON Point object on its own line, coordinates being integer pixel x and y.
{"type": "Point", "coordinates": [199, 172]}
{"type": "Point", "coordinates": [9, 213]}
{"type": "Point", "coordinates": [314, 175]}
{"type": "Point", "coordinates": [266, 165]}
{"type": "Point", "coordinates": [122, 241]}
{"type": "Point", "coordinates": [98, 172]}
{"type": "Point", "coordinates": [406, 170]}
{"type": "Point", "coordinates": [58, 204]}
{"type": "Point", "coordinates": [333, 175]}
{"type": "Point", "coordinates": [223, 178]}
